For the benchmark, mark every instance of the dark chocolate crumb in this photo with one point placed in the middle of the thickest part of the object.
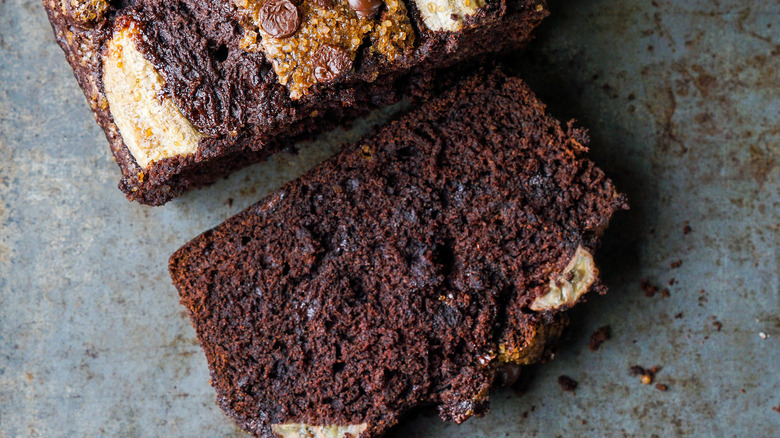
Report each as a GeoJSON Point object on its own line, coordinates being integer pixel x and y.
{"type": "Point", "coordinates": [660, 387]}
{"type": "Point", "coordinates": [717, 325]}
{"type": "Point", "coordinates": [676, 264]}
{"type": "Point", "coordinates": [664, 293]}
{"type": "Point", "coordinates": [678, 316]}
{"type": "Point", "coordinates": [567, 383]}
{"type": "Point", "coordinates": [599, 336]}
{"type": "Point", "coordinates": [672, 281]}
{"type": "Point", "coordinates": [687, 229]}
{"type": "Point", "coordinates": [229, 202]}
{"type": "Point", "coordinates": [776, 409]}
{"type": "Point", "coordinates": [648, 288]}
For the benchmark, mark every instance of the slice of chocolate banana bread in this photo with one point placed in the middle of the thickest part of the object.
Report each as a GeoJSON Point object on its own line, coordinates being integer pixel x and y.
{"type": "Point", "coordinates": [189, 90]}
{"type": "Point", "coordinates": [412, 268]}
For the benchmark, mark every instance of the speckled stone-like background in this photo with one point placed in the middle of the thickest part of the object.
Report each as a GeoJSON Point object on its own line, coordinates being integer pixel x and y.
{"type": "Point", "coordinates": [683, 103]}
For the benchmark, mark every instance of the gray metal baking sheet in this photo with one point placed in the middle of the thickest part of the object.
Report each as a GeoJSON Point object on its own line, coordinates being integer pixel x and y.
{"type": "Point", "coordinates": [683, 103]}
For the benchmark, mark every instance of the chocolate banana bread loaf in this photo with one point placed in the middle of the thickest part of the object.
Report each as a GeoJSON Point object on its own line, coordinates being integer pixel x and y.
{"type": "Point", "coordinates": [188, 90]}
{"type": "Point", "coordinates": [410, 269]}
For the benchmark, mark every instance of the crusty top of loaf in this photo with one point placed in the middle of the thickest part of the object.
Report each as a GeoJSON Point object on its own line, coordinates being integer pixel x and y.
{"type": "Point", "coordinates": [227, 86]}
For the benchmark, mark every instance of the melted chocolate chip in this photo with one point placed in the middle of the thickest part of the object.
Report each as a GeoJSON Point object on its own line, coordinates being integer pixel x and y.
{"type": "Point", "coordinates": [365, 8]}
{"type": "Point", "coordinates": [330, 62]}
{"type": "Point", "coordinates": [507, 375]}
{"type": "Point", "coordinates": [279, 18]}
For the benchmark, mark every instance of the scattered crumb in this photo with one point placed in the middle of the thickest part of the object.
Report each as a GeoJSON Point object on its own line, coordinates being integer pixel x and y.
{"type": "Point", "coordinates": [742, 390]}
{"type": "Point", "coordinates": [687, 228]}
{"type": "Point", "coordinates": [717, 325]}
{"type": "Point", "coordinates": [665, 293]}
{"type": "Point", "coordinates": [672, 281]}
{"type": "Point", "coordinates": [660, 387]}
{"type": "Point", "coordinates": [676, 264]}
{"type": "Point", "coordinates": [599, 336]}
{"type": "Point", "coordinates": [648, 288]}
{"type": "Point", "coordinates": [678, 316]}
{"type": "Point", "coordinates": [776, 409]}
{"type": "Point", "coordinates": [567, 383]}
{"type": "Point", "coordinates": [645, 375]}
{"type": "Point", "coordinates": [583, 422]}
{"type": "Point", "coordinates": [763, 335]}
{"type": "Point", "coordinates": [524, 415]}
{"type": "Point", "coordinates": [229, 202]}
{"type": "Point", "coordinates": [703, 297]}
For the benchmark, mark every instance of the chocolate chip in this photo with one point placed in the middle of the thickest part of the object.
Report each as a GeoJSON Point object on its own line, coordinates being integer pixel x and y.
{"type": "Point", "coordinates": [507, 375]}
{"type": "Point", "coordinates": [365, 8]}
{"type": "Point", "coordinates": [330, 62]}
{"type": "Point", "coordinates": [279, 18]}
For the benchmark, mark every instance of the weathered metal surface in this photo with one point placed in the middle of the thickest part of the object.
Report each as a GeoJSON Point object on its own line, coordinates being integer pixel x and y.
{"type": "Point", "coordinates": [683, 103]}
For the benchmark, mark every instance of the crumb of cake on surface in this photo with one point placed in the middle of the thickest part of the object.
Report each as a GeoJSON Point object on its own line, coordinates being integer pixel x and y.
{"type": "Point", "coordinates": [649, 289]}
{"type": "Point", "coordinates": [567, 383]}
{"type": "Point", "coordinates": [598, 337]}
